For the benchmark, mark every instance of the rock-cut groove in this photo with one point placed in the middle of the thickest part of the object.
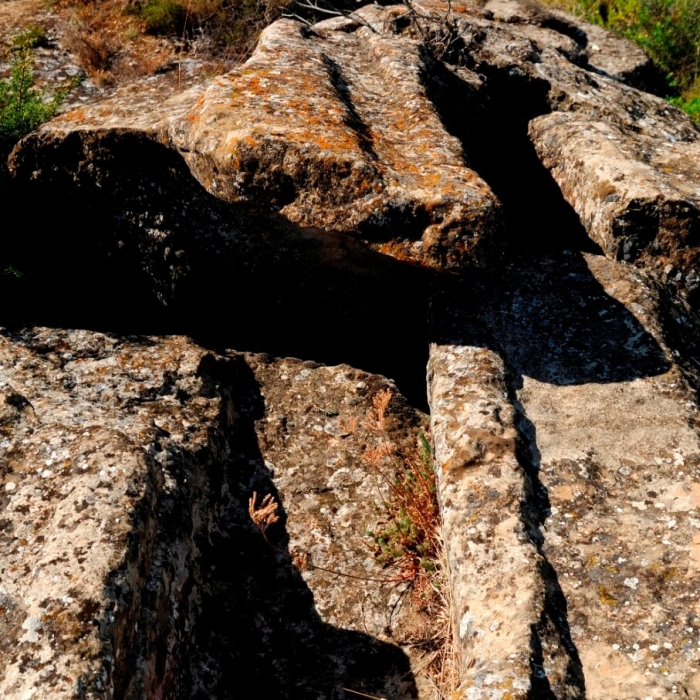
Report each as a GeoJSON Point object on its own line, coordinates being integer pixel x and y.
{"type": "Point", "coordinates": [491, 122]}
{"type": "Point", "coordinates": [144, 249]}
{"type": "Point", "coordinates": [556, 671]}
{"type": "Point", "coordinates": [218, 602]}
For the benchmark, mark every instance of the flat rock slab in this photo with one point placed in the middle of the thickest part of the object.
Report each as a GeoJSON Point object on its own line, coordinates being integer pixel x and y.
{"type": "Point", "coordinates": [129, 563]}
{"type": "Point", "coordinates": [604, 477]}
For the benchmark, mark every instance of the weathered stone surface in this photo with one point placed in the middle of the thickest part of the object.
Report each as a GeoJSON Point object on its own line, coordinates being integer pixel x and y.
{"type": "Point", "coordinates": [606, 467]}
{"type": "Point", "coordinates": [341, 127]}
{"type": "Point", "coordinates": [267, 207]}
{"type": "Point", "coordinates": [634, 184]}
{"type": "Point", "coordinates": [312, 437]}
{"type": "Point", "coordinates": [336, 128]}
{"type": "Point", "coordinates": [592, 46]}
{"type": "Point", "coordinates": [493, 567]}
{"type": "Point", "coordinates": [130, 567]}
{"type": "Point", "coordinates": [300, 129]}
{"type": "Point", "coordinates": [98, 550]}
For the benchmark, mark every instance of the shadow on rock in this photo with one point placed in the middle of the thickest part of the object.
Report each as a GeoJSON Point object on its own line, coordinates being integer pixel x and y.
{"type": "Point", "coordinates": [135, 245]}
{"type": "Point", "coordinates": [552, 321]}
{"type": "Point", "coordinates": [218, 607]}
{"type": "Point", "coordinates": [258, 621]}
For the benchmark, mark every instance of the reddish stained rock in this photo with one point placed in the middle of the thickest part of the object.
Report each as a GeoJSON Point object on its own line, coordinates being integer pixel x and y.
{"type": "Point", "coordinates": [335, 128]}
{"type": "Point", "coordinates": [340, 126]}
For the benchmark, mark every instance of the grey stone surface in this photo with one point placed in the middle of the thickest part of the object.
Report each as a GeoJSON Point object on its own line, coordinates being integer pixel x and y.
{"type": "Point", "coordinates": [130, 567]}
{"type": "Point", "coordinates": [279, 206]}
{"type": "Point", "coordinates": [570, 353]}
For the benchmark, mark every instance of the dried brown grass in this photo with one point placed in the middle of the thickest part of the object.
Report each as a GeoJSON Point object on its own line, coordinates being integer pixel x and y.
{"type": "Point", "coordinates": [411, 541]}
{"type": "Point", "coordinates": [408, 543]}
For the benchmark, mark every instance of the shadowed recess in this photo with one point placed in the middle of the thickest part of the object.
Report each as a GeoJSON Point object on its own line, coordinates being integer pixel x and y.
{"type": "Point", "coordinates": [149, 251]}
{"type": "Point", "coordinates": [553, 321]}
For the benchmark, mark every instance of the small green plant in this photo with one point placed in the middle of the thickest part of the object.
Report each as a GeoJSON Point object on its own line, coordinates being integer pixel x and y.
{"type": "Point", "coordinates": [410, 537]}
{"type": "Point", "coordinates": [668, 30]}
{"type": "Point", "coordinates": [11, 271]}
{"type": "Point", "coordinates": [31, 38]}
{"type": "Point", "coordinates": [23, 106]}
{"type": "Point", "coordinates": [689, 101]}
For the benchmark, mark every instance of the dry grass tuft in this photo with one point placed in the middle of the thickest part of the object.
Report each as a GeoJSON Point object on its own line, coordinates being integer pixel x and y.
{"type": "Point", "coordinates": [263, 514]}
{"type": "Point", "coordinates": [407, 543]}
{"type": "Point", "coordinates": [410, 540]}
{"type": "Point", "coordinates": [92, 43]}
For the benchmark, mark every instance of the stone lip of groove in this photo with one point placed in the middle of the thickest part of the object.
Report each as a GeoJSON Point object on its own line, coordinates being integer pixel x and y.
{"type": "Point", "coordinates": [608, 452]}
{"type": "Point", "coordinates": [507, 604]}
{"type": "Point", "coordinates": [493, 566]}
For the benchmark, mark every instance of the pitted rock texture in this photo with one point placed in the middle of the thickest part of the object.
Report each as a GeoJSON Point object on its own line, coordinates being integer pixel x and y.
{"type": "Point", "coordinates": [278, 205]}
{"type": "Point", "coordinates": [315, 126]}
{"type": "Point", "coordinates": [312, 436]}
{"type": "Point", "coordinates": [99, 437]}
{"type": "Point", "coordinates": [342, 126]}
{"type": "Point", "coordinates": [336, 129]}
{"type": "Point", "coordinates": [130, 565]}
{"type": "Point", "coordinates": [637, 194]}
{"type": "Point", "coordinates": [366, 126]}
{"type": "Point", "coordinates": [493, 567]}
{"type": "Point", "coordinates": [608, 445]}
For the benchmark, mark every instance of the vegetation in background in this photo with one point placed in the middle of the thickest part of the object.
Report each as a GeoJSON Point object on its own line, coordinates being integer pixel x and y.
{"type": "Point", "coordinates": [23, 106]}
{"type": "Point", "coordinates": [233, 25]}
{"type": "Point", "coordinates": [31, 38]}
{"type": "Point", "coordinates": [668, 30]}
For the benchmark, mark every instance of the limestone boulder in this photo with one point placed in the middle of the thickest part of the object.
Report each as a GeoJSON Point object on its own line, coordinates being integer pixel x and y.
{"type": "Point", "coordinates": [376, 126]}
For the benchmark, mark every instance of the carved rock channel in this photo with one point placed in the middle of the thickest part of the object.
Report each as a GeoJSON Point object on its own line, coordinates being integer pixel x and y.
{"type": "Point", "coordinates": [494, 190]}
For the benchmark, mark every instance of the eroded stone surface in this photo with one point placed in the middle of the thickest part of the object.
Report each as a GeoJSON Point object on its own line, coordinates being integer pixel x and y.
{"type": "Point", "coordinates": [341, 127]}
{"type": "Point", "coordinates": [634, 186]}
{"type": "Point", "coordinates": [336, 128]}
{"type": "Point", "coordinates": [496, 590]}
{"type": "Point", "coordinates": [130, 565]}
{"type": "Point", "coordinates": [312, 437]}
{"type": "Point", "coordinates": [608, 442]}
{"type": "Point", "coordinates": [101, 437]}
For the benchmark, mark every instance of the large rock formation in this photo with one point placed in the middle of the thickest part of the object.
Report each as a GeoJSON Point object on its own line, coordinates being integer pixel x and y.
{"type": "Point", "coordinates": [402, 178]}
{"type": "Point", "coordinates": [569, 467]}
{"type": "Point", "coordinates": [130, 567]}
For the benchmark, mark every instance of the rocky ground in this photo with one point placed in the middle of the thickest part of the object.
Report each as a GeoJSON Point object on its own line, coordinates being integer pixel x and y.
{"type": "Point", "coordinates": [494, 192]}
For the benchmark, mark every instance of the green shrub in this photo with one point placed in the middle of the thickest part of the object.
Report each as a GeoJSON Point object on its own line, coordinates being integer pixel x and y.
{"type": "Point", "coordinates": [31, 38]}
{"type": "Point", "coordinates": [668, 30]}
{"type": "Point", "coordinates": [23, 106]}
{"type": "Point", "coordinates": [233, 24]}
{"type": "Point", "coordinates": [163, 16]}
{"type": "Point", "coordinates": [689, 102]}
